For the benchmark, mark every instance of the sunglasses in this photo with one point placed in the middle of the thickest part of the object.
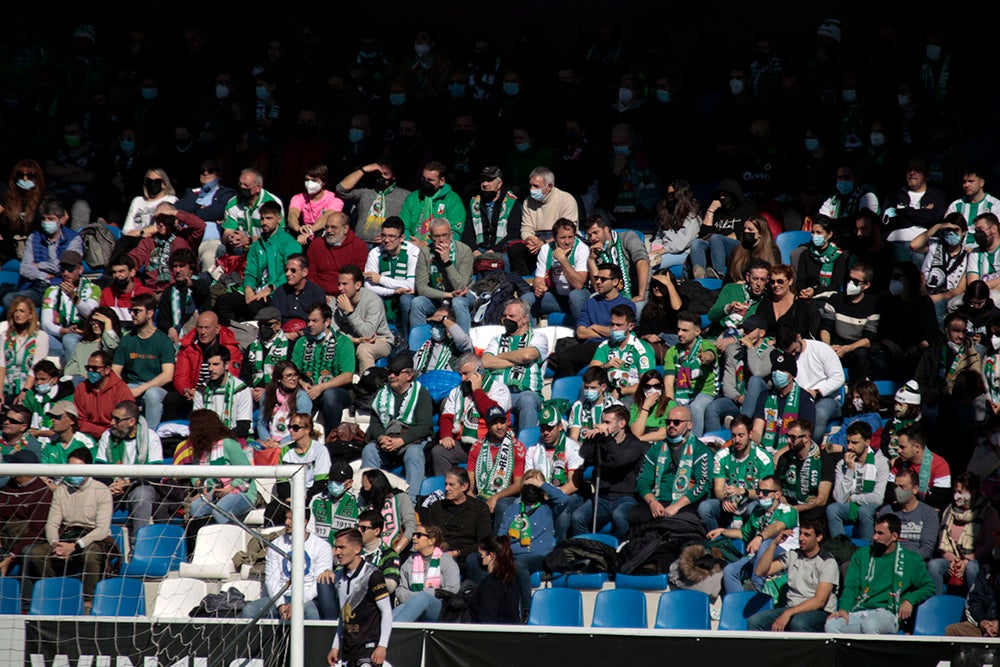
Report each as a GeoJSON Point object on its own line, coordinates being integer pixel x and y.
{"type": "Point", "coordinates": [119, 420]}
{"type": "Point", "coordinates": [677, 422]}
{"type": "Point", "coordinates": [419, 534]}
{"type": "Point", "coordinates": [91, 369]}
{"type": "Point", "coordinates": [777, 282]}
{"type": "Point", "coordinates": [766, 492]}
{"type": "Point", "coordinates": [208, 171]}
{"type": "Point", "coordinates": [296, 427]}
{"type": "Point", "coordinates": [360, 527]}
{"type": "Point", "coordinates": [601, 279]}
{"type": "Point", "coordinates": [8, 420]}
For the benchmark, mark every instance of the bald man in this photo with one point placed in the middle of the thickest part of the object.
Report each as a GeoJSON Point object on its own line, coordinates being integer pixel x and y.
{"type": "Point", "coordinates": [676, 473]}
{"type": "Point", "coordinates": [192, 367]}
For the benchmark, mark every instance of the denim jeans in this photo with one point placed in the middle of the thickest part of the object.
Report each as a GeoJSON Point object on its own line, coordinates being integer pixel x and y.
{"type": "Point", "coordinates": [712, 515]}
{"type": "Point", "coordinates": [526, 405]}
{"type": "Point", "coordinates": [571, 304]}
{"type": "Point", "coordinates": [564, 519]}
{"type": "Point", "coordinates": [236, 504]}
{"type": "Point", "coordinates": [63, 346]}
{"type": "Point", "coordinates": [615, 510]}
{"type": "Point", "coordinates": [421, 607]}
{"type": "Point", "coordinates": [734, 574]}
{"type": "Point", "coordinates": [412, 458]}
{"type": "Point", "coordinates": [837, 514]}
{"type": "Point", "coordinates": [332, 403]}
{"type": "Point", "coordinates": [867, 622]}
{"type": "Point", "coordinates": [806, 621]}
{"type": "Point", "coordinates": [152, 404]}
{"type": "Point", "coordinates": [827, 409]}
{"type": "Point", "coordinates": [718, 247]}
{"type": "Point", "coordinates": [421, 308]}
{"type": "Point", "coordinates": [938, 567]}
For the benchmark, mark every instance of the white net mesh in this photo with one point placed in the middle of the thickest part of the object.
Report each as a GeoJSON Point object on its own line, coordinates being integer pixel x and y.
{"type": "Point", "coordinates": [190, 585]}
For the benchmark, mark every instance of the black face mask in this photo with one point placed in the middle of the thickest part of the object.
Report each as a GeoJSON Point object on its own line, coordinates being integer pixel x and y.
{"type": "Point", "coordinates": [748, 241]}
{"type": "Point", "coordinates": [509, 325]}
{"type": "Point", "coordinates": [878, 549]}
{"type": "Point", "coordinates": [531, 495]}
{"type": "Point", "coordinates": [486, 196]}
{"type": "Point", "coordinates": [383, 183]}
{"type": "Point", "coordinates": [981, 239]}
{"type": "Point", "coordinates": [426, 189]}
{"type": "Point", "coordinates": [266, 333]}
{"type": "Point", "coordinates": [154, 186]}
{"type": "Point", "coordinates": [245, 194]}
{"type": "Point", "coordinates": [119, 282]}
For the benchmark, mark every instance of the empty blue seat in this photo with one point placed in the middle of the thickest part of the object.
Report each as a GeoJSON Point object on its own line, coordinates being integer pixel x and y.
{"type": "Point", "coordinates": [591, 581]}
{"type": "Point", "coordinates": [439, 383]}
{"type": "Point", "coordinates": [57, 596]}
{"type": "Point", "coordinates": [10, 595]}
{"type": "Point", "coordinates": [9, 277]}
{"type": "Point", "coordinates": [159, 549]}
{"type": "Point", "coordinates": [683, 610]}
{"type": "Point", "coordinates": [556, 606]}
{"type": "Point", "coordinates": [620, 608]}
{"type": "Point", "coordinates": [567, 387]}
{"type": "Point", "coordinates": [431, 484]}
{"type": "Point", "coordinates": [642, 582]}
{"type": "Point", "coordinates": [738, 607]}
{"type": "Point", "coordinates": [710, 283]}
{"type": "Point", "coordinates": [887, 387]}
{"type": "Point", "coordinates": [610, 540]}
{"type": "Point", "coordinates": [937, 613]}
{"type": "Point", "coordinates": [529, 436]}
{"type": "Point", "coordinates": [789, 241]}
{"type": "Point", "coordinates": [558, 319]}
{"type": "Point", "coordinates": [418, 336]}
{"type": "Point", "coordinates": [119, 596]}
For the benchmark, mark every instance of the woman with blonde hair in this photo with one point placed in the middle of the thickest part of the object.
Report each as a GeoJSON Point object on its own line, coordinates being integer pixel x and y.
{"type": "Point", "coordinates": [755, 242]}
{"type": "Point", "coordinates": [156, 189]}
{"type": "Point", "coordinates": [24, 345]}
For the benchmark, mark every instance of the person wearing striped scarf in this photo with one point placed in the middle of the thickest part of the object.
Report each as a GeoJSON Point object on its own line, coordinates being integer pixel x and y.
{"type": "Point", "coordinates": [859, 484]}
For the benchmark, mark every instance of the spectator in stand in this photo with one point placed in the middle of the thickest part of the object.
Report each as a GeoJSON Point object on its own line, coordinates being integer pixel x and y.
{"type": "Point", "coordinates": [208, 202]}
{"type": "Point", "coordinates": [327, 363]}
{"type": "Point", "coordinates": [497, 462]}
{"type": "Point", "coordinates": [447, 343]}
{"type": "Point", "coordinates": [391, 271]}
{"type": "Point", "coordinates": [444, 273]}
{"type": "Point", "coordinates": [156, 191]}
{"type": "Point", "coordinates": [981, 606]}
{"type": "Point", "coordinates": [648, 414]}
{"type": "Point", "coordinates": [819, 374]}
{"type": "Point", "coordinates": [434, 200]}
{"type": "Point", "coordinates": [748, 357]}
{"type": "Point", "coordinates": [123, 288]}
{"type": "Point", "coordinates": [40, 260]}
{"type": "Point", "coordinates": [968, 527]}
{"type": "Point", "coordinates": [585, 414]}
{"type": "Point", "coordinates": [913, 208]}
{"type": "Point", "coordinates": [99, 393]}
{"type": "Point", "coordinates": [377, 200]}
{"type": "Point", "coordinates": [755, 243]}
{"type": "Point", "coordinates": [736, 470]}
{"type": "Point", "coordinates": [185, 297]}
{"type": "Point", "coordinates": [907, 325]}
{"type": "Point", "coordinates": [859, 485]}
{"type": "Point", "coordinates": [338, 246]}
{"type": "Point", "coordinates": [822, 266]}
{"type": "Point", "coordinates": [428, 569]}
{"type": "Point", "coordinates": [920, 526]}
{"type": "Point", "coordinates": [850, 323]}
{"type": "Point", "coordinates": [224, 394]}
{"type": "Point", "coordinates": [24, 509]}
{"type": "Point", "coordinates": [945, 261]}
{"type": "Point", "coordinates": [494, 222]}
{"type": "Point", "coordinates": [516, 357]}
{"type": "Point", "coordinates": [560, 284]}
{"type": "Point", "coordinates": [360, 316]}
{"type": "Point", "coordinates": [861, 404]}
{"type": "Point", "coordinates": [24, 345]}
{"type": "Point", "coordinates": [244, 210]}
{"type": "Point", "coordinates": [172, 230]}
{"type": "Point", "coordinates": [720, 227]}
{"type": "Point", "coordinates": [738, 299]}
{"type": "Point", "coordinates": [941, 363]}
{"type": "Point", "coordinates": [933, 474]}
{"type": "Point", "coordinates": [782, 307]}
{"type": "Point", "coordinates": [145, 359]}
{"type": "Point", "coordinates": [464, 518]}
{"type": "Point", "coordinates": [679, 218]}
{"type": "Point", "coordinates": [543, 207]}
{"type": "Point", "coordinates": [806, 472]}
{"type": "Point", "coordinates": [212, 443]}
{"type": "Point", "coordinates": [66, 305]}
{"type": "Point", "coordinates": [101, 331]}
{"type": "Point", "coordinates": [308, 208]}
{"type": "Point", "coordinates": [623, 249]}
{"type": "Point", "coordinates": [659, 318]}
{"type": "Point", "coordinates": [689, 370]}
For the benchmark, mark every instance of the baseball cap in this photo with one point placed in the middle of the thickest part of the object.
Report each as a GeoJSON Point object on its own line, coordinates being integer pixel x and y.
{"type": "Point", "coordinates": [341, 472]}
{"type": "Point", "coordinates": [495, 414]}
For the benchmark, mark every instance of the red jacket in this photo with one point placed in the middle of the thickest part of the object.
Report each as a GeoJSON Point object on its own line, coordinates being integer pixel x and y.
{"type": "Point", "coordinates": [95, 405]}
{"type": "Point", "coordinates": [189, 358]}
{"type": "Point", "coordinates": [325, 260]}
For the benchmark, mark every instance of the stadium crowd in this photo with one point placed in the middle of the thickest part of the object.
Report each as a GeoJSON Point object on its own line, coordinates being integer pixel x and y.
{"type": "Point", "coordinates": [780, 306]}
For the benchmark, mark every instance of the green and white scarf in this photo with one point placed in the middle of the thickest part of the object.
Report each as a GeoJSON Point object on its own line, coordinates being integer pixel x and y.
{"type": "Point", "coordinates": [389, 406]}
{"type": "Point", "coordinates": [178, 305]}
{"type": "Point", "coordinates": [956, 363]}
{"type": "Point", "coordinates": [158, 265]}
{"type": "Point", "coordinates": [734, 319]}
{"type": "Point", "coordinates": [520, 527]}
{"type": "Point", "coordinates": [924, 483]}
{"type": "Point", "coordinates": [393, 267]}
{"type": "Point", "coordinates": [228, 389]}
{"type": "Point", "coordinates": [66, 308]}
{"type": "Point", "coordinates": [527, 377]}
{"type": "Point", "coordinates": [376, 212]}
{"type": "Point", "coordinates": [896, 595]}
{"type": "Point", "coordinates": [775, 423]}
{"type": "Point", "coordinates": [559, 475]}
{"type": "Point", "coordinates": [682, 478]}
{"type": "Point", "coordinates": [992, 373]}
{"type": "Point", "coordinates": [438, 278]}
{"type": "Point", "coordinates": [263, 356]}
{"type": "Point", "coordinates": [424, 358]}
{"type": "Point", "coordinates": [506, 206]}
{"type": "Point", "coordinates": [687, 362]}
{"type": "Point", "coordinates": [802, 483]}
{"type": "Point", "coordinates": [570, 256]}
{"type": "Point", "coordinates": [896, 427]}
{"type": "Point", "coordinates": [468, 414]}
{"type": "Point", "coordinates": [319, 356]}
{"type": "Point", "coordinates": [118, 447]}
{"type": "Point", "coordinates": [614, 253]}
{"type": "Point", "coordinates": [494, 474]}
{"type": "Point", "coordinates": [865, 481]}
{"type": "Point", "coordinates": [18, 357]}
{"type": "Point", "coordinates": [826, 258]}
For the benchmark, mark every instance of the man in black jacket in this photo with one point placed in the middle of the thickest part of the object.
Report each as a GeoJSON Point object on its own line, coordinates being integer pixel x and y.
{"type": "Point", "coordinates": [464, 518]}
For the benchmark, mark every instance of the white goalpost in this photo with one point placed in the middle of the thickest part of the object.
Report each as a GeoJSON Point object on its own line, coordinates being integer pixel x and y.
{"type": "Point", "coordinates": [157, 474]}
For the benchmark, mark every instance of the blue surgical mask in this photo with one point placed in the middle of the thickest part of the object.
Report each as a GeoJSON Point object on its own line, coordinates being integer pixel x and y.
{"type": "Point", "coordinates": [617, 335]}
{"type": "Point", "coordinates": [354, 135]}
{"type": "Point", "coordinates": [522, 147]}
{"type": "Point", "coordinates": [26, 184]}
{"type": "Point", "coordinates": [663, 96]}
{"type": "Point", "coordinates": [850, 95]}
{"type": "Point", "coordinates": [845, 187]}
{"type": "Point", "coordinates": [780, 379]}
{"type": "Point", "coordinates": [335, 489]}
{"type": "Point", "coordinates": [397, 99]}
{"type": "Point", "coordinates": [93, 377]}
{"type": "Point", "coordinates": [819, 240]}
{"type": "Point", "coordinates": [127, 146]}
{"type": "Point", "coordinates": [511, 88]}
{"type": "Point", "coordinates": [952, 239]}
{"type": "Point", "coordinates": [261, 92]}
{"type": "Point", "coordinates": [73, 481]}
{"type": "Point", "coordinates": [623, 150]}
{"type": "Point", "coordinates": [537, 194]}
{"type": "Point", "coordinates": [811, 144]}
{"type": "Point", "coordinates": [50, 226]}
{"type": "Point", "coordinates": [590, 395]}
{"type": "Point", "coordinates": [456, 90]}
{"type": "Point", "coordinates": [765, 502]}
{"type": "Point", "coordinates": [675, 439]}
{"type": "Point", "coordinates": [896, 287]}
{"type": "Point", "coordinates": [150, 93]}
{"type": "Point", "coordinates": [42, 388]}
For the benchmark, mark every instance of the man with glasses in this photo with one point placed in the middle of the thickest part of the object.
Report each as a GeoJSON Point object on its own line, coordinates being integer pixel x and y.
{"type": "Point", "coordinates": [269, 347]}
{"type": "Point", "coordinates": [65, 305]}
{"type": "Point", "coordinates": [402, 420]}
{"type": "Point", "coordinates": [40, 262]}
{"type": "Point", "coordinates": [516, 358]}
{"type": "Point", "coordinates": [806, 471]}
{"type": "Point", "coordinates": [444, 273]}
{"type": "Point", "coordinates": [224, 394]}
{"type": "Point", "coordinates": [619, 453]}
{"type": "Point", "coordinates": [326, 360]}
{"type": "Point", "coordinates": [296, 296]}
{"type": "Point", "coordinates": [337, 246]}
{"type": "Point", "coordinates": [850, 323]}
{"type": "Point", "coordinates": [735, 473]}
{"type": "Point", "coordinates": [145, 359]}
{"type": "Point", "coordinates": [171, 230]}
{"type": "Point", "coordinates": [95, 397]}
{"type": "Point", "coordinates": [391, 271]}
{"type": "Point", "coordinates": [14, 436]}
{"type": "Point", "coordinates": [675, 472]}
{"type": "Point", "coordinates": [131, 441]}
{"type": "Point", "coordinates": [624, 356]}
{"type": "Point", "coordinates": [208, 202]}
{"type": "Point", "coordinates": [64, 419]}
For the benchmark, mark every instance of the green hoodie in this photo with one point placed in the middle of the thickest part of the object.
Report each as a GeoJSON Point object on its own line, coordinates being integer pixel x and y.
{"type": "Point", "coordinates": [418, 211]}
{"type": "Point", "coordinates": [266, 259]}
{"type": "Point", "coordinates": [915, 587]}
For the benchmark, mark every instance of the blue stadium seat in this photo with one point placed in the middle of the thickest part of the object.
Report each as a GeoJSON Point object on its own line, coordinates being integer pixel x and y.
{"type": "Point", "coordinates": [556, 606]}
{"type": "Point", "coordinates": [683, 609]}
{"type": "Point", "coordinates": [937, 613]}
{"type": "Point", "coordinates": [536, 579]}
{"type": "Point", "coordinates": [722, 433]}
{"type": "Point", "coordinates": [159, 549]}
{"type": "Point", "coordinates": [858, 542]}
{"type": "Point", "coordinates": [529, 436]}
{"type": "Point", "coordinates": [418, 336]}
{"type": "Point", "coordinates": [439, 383]}
{"type": "Point", "coordinates": [431, 484]}
{"type": "Point", "coordinates": [119, 517]}
{"type": "Point", "coordinates": [11, 265]}
{"type": "Point", "coordinates": [57, 596]}
{"type": "Point", "coordinates": [379, 363]}
{"type": "Point", "coordinates": [677, 270]}
{"type": "Point", "coordinates": [591, 581]}
{"type": "Point", "coordinates": [789, 241]}
{"type": "Point", "coordinates": [887, 387]}
{"type": "Point", "coordinates": [10, 595]}
{"type": "Point", "coordinates": [567, 387]}
{"type": "Point", "coordinates": [119, 596]}
{"type": "Point", "coordinates": [710, 283]}
{"type": "Point", "coordinates": [738, 607]}
{"type": "Point", "coordinates": [642, 582]}
{"type": "Point", "coordinates": [9, 277]}
{"type": "Point", "coordinates": [558, 320]}
{"type": "Point", "coordinates": [610, 540]}
{"type": "Point", "coordinates": [619, 608]}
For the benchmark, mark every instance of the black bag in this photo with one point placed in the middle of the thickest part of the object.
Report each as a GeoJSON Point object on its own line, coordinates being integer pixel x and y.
{"type": "Point", "coordinates": [492, 292]}
{"type": "Point", "coordinates": [656, 544]}
{"type": "Point", "coordinates": [220, 605]}
{"type": "Point", "coordinates": [99, 244]}
{"type": "Point", "coordinates": [581, 556]}
{"type": "Point", "coordinates": [455, 606]}
{"type": "Point", "coordinates": [700, 299]}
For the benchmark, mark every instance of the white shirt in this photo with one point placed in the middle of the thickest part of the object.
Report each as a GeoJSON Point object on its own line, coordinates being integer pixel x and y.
{"type": "Point", "coordinates": [559, 281]}
{"type": "Point", "coordinates": [278, 570]}
{"type": "Point", "coordinates": [386, 286]}
{"type": "Point", "coordinates": [819, 368]}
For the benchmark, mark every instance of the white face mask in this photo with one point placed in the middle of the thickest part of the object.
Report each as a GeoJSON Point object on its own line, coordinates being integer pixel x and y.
{"type": "Point", "coordinates": [858, 403]}
{"type": "Point", "coordinates": [421, 49]}
{"type": "Point", "coordinates": [933, 53]}
{"type": "Point", "coordinates": [877, 139]}
{"type": "Point", "coordinates": [995, 340]}
{"type": "Point", "coordinates": [736, 86]}
{"type": "Point", "coordinates": [312, 187]}
{"type": "Point", "coordinates": [625, 95]}
{"type": "Point", "coordinates": [852, 289]}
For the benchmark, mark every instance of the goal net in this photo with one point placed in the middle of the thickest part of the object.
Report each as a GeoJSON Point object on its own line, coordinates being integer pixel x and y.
{"type": "Point", "coordinates": [184, 589]}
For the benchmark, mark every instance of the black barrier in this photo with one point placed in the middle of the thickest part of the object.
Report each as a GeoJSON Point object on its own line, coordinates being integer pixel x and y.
{"type": "Point", "coordinates": [197, 643]}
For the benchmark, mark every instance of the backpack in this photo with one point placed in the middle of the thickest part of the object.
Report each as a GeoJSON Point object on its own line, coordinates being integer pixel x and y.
{"type": "Point", "coordinates": [492, 292]}
{"type": "Point", "coordinates": [581, 555]}
{"type": "Point", "coordinates": [700, 298]}
{"type": "Point", "coordinates": [98, 242]}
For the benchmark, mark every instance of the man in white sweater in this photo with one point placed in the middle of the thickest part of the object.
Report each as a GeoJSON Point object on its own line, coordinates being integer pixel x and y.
{"type": "Point", "coordinates": [819, 372]}
{"type": "Point", "coordinates": [278, 572]}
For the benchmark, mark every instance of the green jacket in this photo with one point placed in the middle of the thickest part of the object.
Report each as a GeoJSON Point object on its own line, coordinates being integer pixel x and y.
{"type": "Point", "coordinates": [418, 211]}
{"type": "Point", "coordinates": [698, 475]}
{"type": "Point", "coordinates": [917, 584]}
{"type": "Point", "coordinates": [266, 259]}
